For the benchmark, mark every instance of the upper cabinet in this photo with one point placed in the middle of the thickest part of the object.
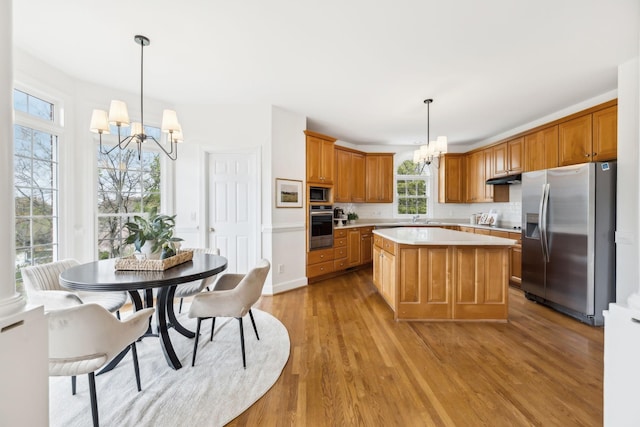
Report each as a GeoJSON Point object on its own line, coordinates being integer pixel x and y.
{"type": "Point", "coordinates": [541, 149]}
{"type": "Point", "coordinates": [379, 177]}
{"type": "Point", "coordinates": [478, 170]}
{"type": "Point", "coordinates": [320, 158]}
{"type": "Point", "coordinates": [605, 134]}
{"type": "Point", "coordinates": [589, 137]}
{"type": "Point", "coordinates": [507, 158]}
{"type": "Point", "coordinates": [451, 178]}
{"type": "Point", "coordinates": [349, 183]}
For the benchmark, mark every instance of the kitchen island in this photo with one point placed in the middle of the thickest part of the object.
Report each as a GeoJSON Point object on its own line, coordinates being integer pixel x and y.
{"type": "Point", "coordinates": [430, 273]}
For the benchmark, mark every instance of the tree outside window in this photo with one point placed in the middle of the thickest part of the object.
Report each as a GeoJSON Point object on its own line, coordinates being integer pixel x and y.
{"type": "Point", "coordinates": [127, 186]}
{"type": "Point", "coordinates": [412, 189]}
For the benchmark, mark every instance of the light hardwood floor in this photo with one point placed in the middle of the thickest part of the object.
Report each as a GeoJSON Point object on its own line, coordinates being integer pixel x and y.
{"type": "Point", "coordinates": [351, 364]}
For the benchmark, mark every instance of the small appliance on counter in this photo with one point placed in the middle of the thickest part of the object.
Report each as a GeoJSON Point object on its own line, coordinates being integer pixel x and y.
{"type": "Point", "coordinates": [339, 217]}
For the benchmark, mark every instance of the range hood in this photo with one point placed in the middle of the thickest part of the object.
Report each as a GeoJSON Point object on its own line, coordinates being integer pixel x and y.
{"type": "Point", "coordinates": [508, 179]}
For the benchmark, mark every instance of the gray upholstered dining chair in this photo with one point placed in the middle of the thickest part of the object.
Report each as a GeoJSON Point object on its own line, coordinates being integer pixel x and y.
{"type": "Point", "coordinates": [43, 287]}
{"type": "Point", "coordinates": [190, 289]}
{"type": "Point", "coordinates": [232, 296]}
{"type": "Point", "coordinates": [83, 338]}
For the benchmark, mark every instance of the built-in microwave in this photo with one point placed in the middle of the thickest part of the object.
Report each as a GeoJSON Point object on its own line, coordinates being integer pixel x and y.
{"type": "Point", "coordinates": [318, 194]}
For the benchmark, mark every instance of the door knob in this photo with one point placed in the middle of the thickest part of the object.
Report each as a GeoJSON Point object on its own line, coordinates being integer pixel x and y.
{"type": "Point", "coordinates": [211, 229]}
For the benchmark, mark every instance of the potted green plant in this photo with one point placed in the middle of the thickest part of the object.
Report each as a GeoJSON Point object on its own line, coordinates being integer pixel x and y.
{"type": "Point", "coordinates": [352, 216]}
{"type": "Point", "coordinates": [153, 235]}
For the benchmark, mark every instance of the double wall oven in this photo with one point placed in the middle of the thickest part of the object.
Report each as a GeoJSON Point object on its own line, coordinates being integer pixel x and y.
{"type": "Point", "coordinates": [320, 226]}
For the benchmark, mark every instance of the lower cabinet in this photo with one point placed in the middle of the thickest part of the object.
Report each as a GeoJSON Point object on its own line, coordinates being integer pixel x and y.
{"type": "Point", "coordinates": [384, 271]}
{"type": "Point", "coordinates": [515, 253]}
{"type": "Point", "coordinates": [442, 282]}
{"type": "Point", "coordinates": [319, 262]}
{"type": "Point", "coordinates": [352, 247]}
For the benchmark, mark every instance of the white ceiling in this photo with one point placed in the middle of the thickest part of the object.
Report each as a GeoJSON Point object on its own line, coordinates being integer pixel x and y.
{"type": "Point", "coordinates": [358, 69]}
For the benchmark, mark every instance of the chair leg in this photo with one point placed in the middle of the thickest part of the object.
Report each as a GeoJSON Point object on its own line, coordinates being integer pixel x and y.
{"type": "Point", "coordinates": [180, 307]}
{"type": "Point", "coordinates": [94, 400]}
{"type": "Point", "coordinates": [136, 368]}
{"type": "Point", "coordinates": [73, 385]}
{"type": "Point", "coordinates": [118, 314]}
{"type": "Point", "coordinates": [195, 344]}
{"type": "Point", "coordinates": [213, 326]}
{"type": "Point", "coordinates": [244, 361]}
{"type": "Point", "coordinates": [253, 322]}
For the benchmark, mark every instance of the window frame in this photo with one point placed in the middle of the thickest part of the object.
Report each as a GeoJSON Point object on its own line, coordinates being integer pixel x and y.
{"type": "Point", "coordinates": [426, 176]}
{"type": "Point", "coordinates": [55, 128]}
{"type": "Point", "coordinates": [108, 142]}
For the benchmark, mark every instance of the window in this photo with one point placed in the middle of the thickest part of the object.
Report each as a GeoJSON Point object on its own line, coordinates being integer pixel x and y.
{"type": "Point", "coordinates": [412, 189]}
{"type": "Point", "coordinates": [127, 186]}
{"type": "Point", "coordinates": [35, 174]}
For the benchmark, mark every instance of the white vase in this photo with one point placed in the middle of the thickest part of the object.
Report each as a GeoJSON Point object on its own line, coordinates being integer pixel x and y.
{"type": "Point", "coordinates": [146, 250]}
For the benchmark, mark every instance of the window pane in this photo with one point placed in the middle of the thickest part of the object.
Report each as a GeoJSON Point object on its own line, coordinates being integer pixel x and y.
{"type": "Point", "coordinates": [43, 145]}
{"type": "Point", "coordinates": [42, 254]}
{"type": "Point", "coordinates": [42, 231]}
{"type": "Point", "coordinates": [43, 203]}
{"type": "Point", "coordinates": [20, 101]}
{"type": "Point", "coordinates": [126, 185]}
{"type": "Point", "coordinates": [43, 174]}
{"type": "Point", "coordinates": [23, 233]}
{"type": "Point", "coordinates": [22, 141]}
{"type": "Point", "coordinates": [40, 108]}
{"type": "Point", "coordinates": [22, 175]}
{"type": "Point", "coordinates": [22, 200]}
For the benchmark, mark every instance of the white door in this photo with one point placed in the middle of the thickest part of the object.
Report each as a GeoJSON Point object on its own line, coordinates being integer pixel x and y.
{"type": "Point", "coordinates": [233, 208]}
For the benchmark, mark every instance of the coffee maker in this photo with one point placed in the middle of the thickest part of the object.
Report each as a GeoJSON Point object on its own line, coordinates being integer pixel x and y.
{"type": "Point", "coordinates": [338, 212]}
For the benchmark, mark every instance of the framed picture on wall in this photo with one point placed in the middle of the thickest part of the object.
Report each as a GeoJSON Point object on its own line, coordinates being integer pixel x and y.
{"type": "Point", "coordinates": [288, 193]}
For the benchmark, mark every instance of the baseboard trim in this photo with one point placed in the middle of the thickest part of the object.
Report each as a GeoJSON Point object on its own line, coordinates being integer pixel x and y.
{"type": "Point", "coordinates": [278, 288]}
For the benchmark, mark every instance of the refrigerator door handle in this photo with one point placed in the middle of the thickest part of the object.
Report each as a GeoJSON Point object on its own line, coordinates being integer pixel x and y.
{"type": "Point", "coordinates": [541, 223]}
{"type": "Point", "coordinates": [543, 220]}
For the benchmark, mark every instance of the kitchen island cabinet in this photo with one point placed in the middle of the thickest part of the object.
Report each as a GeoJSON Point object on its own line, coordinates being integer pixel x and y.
{"type": "Point", "coordinates": [436, 274]}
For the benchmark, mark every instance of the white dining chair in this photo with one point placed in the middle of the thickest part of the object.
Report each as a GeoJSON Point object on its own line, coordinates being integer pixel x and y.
{"type": "Point", "coordinates": [84, 338]}
{"type": "Point", "coordinates": [232, 296]}
{"type": "Point", "coordinates": [190, 289]}
{"type": "Point", "coordinates": [42, 284]}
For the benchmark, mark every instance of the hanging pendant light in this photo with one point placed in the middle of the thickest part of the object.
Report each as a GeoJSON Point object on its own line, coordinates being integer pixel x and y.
{"type": "Point", "coordinates": [119, 116]}
{"type": "Point", "coordinates": [432, 150]}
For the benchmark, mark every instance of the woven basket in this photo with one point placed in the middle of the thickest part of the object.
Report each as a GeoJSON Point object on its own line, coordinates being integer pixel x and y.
{"type": "Point", "coordinates": [132, 263]}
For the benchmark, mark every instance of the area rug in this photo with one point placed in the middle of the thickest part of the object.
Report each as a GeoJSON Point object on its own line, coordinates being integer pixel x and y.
{"type": "Point", "coordinates": [212, 393]}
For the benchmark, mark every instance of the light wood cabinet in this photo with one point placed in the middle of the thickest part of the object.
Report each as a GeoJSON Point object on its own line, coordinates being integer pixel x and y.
{"type": "Point", "coordinates": [480, 283]}
{"type": "Point", "coordinates": [515, 252]}
{"type": "Point", "coordinates": [379, 178]}
{"type": "Point", "coordinates": [320, 158]}
{"type": "Point", "coordinates": [443, 282]}
{"type": "Point", "coordinates": [384, 269]}
{"type": "Point", "coordinates": [354, 248]}
{"type": "Point", "coordinates": [605, 134]}
{"type": "Point", "coordinates": [366, 245]}
{"type": "Point", "coordinates": [575, 140]}
{"type": "Point", "coordinates": [451, 178]}
{"type": "Point", "coordinates": [507, 158]}
{"type": "Point", "coordinates": [478, 169]}
{"type": "Point", "coordinates": [591, 137]}
{"type": "Point", "coordinates": [349, 182]}
{"type": "Point", "coordinates": [515, 271]}
{"type": "Point", "coordinates": [340, 250]}
{"type": "Point", "coordinates": [541, 149]}
{"type": "Point", "coordinates": [319, 262]}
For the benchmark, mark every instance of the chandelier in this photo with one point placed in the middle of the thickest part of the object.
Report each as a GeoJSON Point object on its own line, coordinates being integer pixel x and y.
{"type": "Point", "coordinates": [119, 116]}
{"type": "Point", "coordinates": [432, 150]}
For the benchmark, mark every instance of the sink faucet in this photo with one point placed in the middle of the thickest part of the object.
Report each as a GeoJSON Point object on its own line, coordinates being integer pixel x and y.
{"type": "Point", "coordinates": [415, 218]}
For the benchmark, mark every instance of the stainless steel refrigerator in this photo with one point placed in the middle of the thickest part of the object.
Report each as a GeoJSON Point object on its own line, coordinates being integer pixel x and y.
{"type": "Point", "coordinates": [568, 248]}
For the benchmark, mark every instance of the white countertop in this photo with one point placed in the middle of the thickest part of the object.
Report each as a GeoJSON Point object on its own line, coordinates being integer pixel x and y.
{"type": "Point", "coordinates": [422, 223]}
{"type": "Point", "coordinates": [439, 236]}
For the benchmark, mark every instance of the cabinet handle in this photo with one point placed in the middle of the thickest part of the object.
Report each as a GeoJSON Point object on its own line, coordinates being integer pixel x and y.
{"type": "Point", "coordinates": [587, 155]}
{"type": "Point", "coordinates": [594, 154]}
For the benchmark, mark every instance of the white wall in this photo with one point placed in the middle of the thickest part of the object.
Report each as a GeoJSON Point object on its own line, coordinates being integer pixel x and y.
{"type": "Point", "coordinates": [627, 238]}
